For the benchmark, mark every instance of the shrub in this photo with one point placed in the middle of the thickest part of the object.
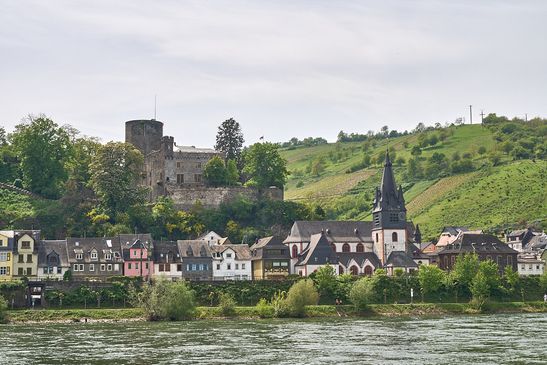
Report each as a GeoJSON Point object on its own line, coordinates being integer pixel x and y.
{"type": "Point", "coordinates": [165, 300]}
{"type": "Point", "coordinates": [3, 309]}
{"type": "Point", "coordinates": [279, 304]}
{"type": "Point", "coordinates": [227, 304]}
{"type": "Point", "coordinates": [263, 309]}
{"type": "Point", "coordinates": [301, 294]}
{"type": "Point", "coordinates": [362, 293]}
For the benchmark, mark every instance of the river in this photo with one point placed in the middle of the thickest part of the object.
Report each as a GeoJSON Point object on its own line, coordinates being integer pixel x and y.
{"type": "Point", "coordinates": [481, 339]}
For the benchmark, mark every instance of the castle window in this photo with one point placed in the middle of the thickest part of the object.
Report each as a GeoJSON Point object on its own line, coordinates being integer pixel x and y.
{"type": "Point", "coordinates": [345, 248]}
{"type": "Point", "coordinates": [393, 217]}
{"type": "Point", "coordinates": [179, 165]}
{"type": "Point", "coordinates": [180, 178]}
{"type": "Point", "coordinates": [198, 165]}
{"type": "Point", "coordinates": [360, 248]}
{"type": "Point", "coordinates": [394, 237]}
{"type": "Point", "coordinates": [197, 178]}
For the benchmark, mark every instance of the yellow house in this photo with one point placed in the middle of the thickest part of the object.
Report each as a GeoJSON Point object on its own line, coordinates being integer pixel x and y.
{"type": "Point", "coordinates": [25, 255]}
{"type": "Point", "coordinates": [6, 256]}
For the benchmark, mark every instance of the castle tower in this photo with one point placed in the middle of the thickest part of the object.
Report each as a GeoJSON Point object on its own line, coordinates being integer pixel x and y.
{"type": "Point", "coordinates": [144, 134]}
{"type": "Point", "coordinates": [389, 224]}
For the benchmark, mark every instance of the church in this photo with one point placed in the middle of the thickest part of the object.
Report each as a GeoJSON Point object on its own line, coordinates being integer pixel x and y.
{"type": "Point", "coordinates": [357, 247]}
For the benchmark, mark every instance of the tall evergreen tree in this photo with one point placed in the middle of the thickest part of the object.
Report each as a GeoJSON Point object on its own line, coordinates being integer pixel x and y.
{"type": "Point", "coordinates": [230, 139]}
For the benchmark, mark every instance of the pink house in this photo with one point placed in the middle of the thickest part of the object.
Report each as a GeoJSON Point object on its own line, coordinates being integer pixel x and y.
{"type": "Point", "coordinates": [136, 260]}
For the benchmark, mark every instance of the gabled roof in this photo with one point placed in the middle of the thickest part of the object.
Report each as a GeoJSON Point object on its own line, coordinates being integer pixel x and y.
{"type": "Point", "coordinates": [48, 247]}
{"type": "Point", "coordinates": [242, 251]}
{"type": "Point", "coordinates": [161, 249]}
{"type": "Point", "coordinates": [86, 244]}
{"type": "Point", "coordinates": [192, 149]}
{"type": "Point", "coordinates": [344, 258]}
{"type": "Point", "coordinates": [264, 247]}
{"type": "Point", "coordinates": [194, 248]}
{"type": "Point", "coordinates": [319, 252]}
{"type": "Point", "coordinates": [335, 231]}
{"type": "Point", "coordinates": [537, 243]}
{"type": "Point", "coordinates": [400, 259]}
{"type": "Point", "coordinates": [477, 242]}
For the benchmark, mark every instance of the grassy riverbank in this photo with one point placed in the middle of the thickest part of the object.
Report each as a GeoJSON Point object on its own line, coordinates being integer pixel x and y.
{"type": "Point", "coordinates": [375, 310]}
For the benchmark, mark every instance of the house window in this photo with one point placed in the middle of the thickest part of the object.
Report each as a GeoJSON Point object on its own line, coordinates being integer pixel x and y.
{"type": "Point", "coordinates": [360, 247]}
{"type": "Point", "coordinates": [242, 266]}
{"type": "Point", "coordinates": [59, 270]}
{"type": "Point", "coordinates": [136, 265]}
{"type": "Point", "coordinates": [180, 178]}
{"type": "Point", "coordinates": [394, 237]}
{"type": "Point", "coordinates": [91, 267]}
{"type": "Point", "coordinates": [29, 271]}
{"type": "Point", "coordinates": [25, 245]}
{"type": "Point", "coordinates": [3, 270]}
{"type": "Point", "coordinates": [75, 268]}
{"type": "Point", "coordinates": [20, 271]}
{"type": "Point", "coordinates": [116, 267]}
{"type": "Point", "coordinates": [129, 266]}
{"type": "Point", "coordinates": [29, 258]}
{"type": "Point", "coordinates": [4, 256]}
{"type": "Point", "coordinates": [218, 266]}
{"type": "Point", "coordinates": [228, 266]}
{"type": "Point", "coordinates": [21, 259]}
{"type": "Point", "coordinates": [179, 267]}
{"type": "Point", "coordinates": [109, 267]}
{"type": "Point", "coordinates": [197, 178]}
{"type": "Point", "coordinates": [103, 267]}
{"type": "Point", "coordinates": [79, 256]}
{"type": "Point", "coordinates": [93, 255]}
{"type": "Point", "coordinates": [1, 242]}
{"type": "Point", "coordinates": [229, 255]}
{"type": "Point", "coordinates": [510, 260]}
{"type": "Point", "coordinates": [346, 248]}
{"type": "Point", "coordinates": [499, 260]}
{"type": "Point", "coordinates": [294, 251]}
{"type": "Point", "coordinates": [160, 267]}
{"type": "Point", "coordinates": [237, 266]}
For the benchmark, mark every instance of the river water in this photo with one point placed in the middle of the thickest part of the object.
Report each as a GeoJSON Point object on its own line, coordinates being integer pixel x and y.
{"type": "Point", "coordinates": [481, 339]}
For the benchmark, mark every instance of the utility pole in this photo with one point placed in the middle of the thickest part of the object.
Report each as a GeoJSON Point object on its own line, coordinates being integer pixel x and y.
{"type": "Point", "coordinates": [470, 114]}
{"type": "Point", "coordinates": [526, 117]}
{"type": "Point", "coordinates": [482, 117]}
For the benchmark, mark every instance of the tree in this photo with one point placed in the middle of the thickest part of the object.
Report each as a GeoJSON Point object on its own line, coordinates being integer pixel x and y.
{"type": "Point", "coordinates": [230, 139]}
{"type": "Point", "coordinates": [431, 279]}
{"type": "Point", "coordinates": [416, 150]}
{"type": "Point", "coordinates": [464, 270]}
{"type": "Point", "coordinates": [42, 148]}
{"type": "Point", "coordinates": [318, 166]}
{"type": "Point", "coordinates": [301, 294]}
{"type": "Point", "coordinates": [482, 150]}
{"type": "Point", "coordinates": [325, 279]}
{"type": "Point", "coordinates": [362, 293]}
{"type": "Point", "coordinates": [232, 174]}
{"type": "Point", "coordinates": [265, 166]}
{"type": "Point", "coordinates": [215, 172]}
{"type": "Point", "coordinates": [115, 172]}
{"type": "Point", "coordinates": [511, 280]}
{"type": "Point", "coordinates": [165, 300]}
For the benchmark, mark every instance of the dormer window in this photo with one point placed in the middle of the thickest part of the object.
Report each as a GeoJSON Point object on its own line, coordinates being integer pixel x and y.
{"type": "Point", "coordinates": [25, 245]}
{"type": "Point", "coordinates": [108, 256]}
{"type": "Point", "coordinates": [229, 255]}
{"type": "Point", "coordinates": [79, 256]}
{"type": "Point", "coordinates": [93, 255]}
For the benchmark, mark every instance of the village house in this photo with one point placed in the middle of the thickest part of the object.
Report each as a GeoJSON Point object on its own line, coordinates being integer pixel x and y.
{"type": "Point", "coordinates": [95, 258]}
{"type": "Point", "coordinates": [213, 238]}
{"type": "Point", "coordinates": [361, 248]}
{"type": "Point", "coordinates": [197, 260]}
{"type": "Point", "coordinates": [518, 239]}
{"type": "Point", "coordinates": [485, 246]}
{"type": "Point", "coordinates": [137, 260]}
{"type": "Point", "coordinates": [6, 255]}
{"type": "Point", "coordinates": [270, 259]}
{"type": "Point", "coordinates": [25, 254]}
{"type": "Point", "coordinates": [52, 259]}
{"type": "Point", "coordinates": [167, 262]}
{"type": "Point", "coordinates": [449, 234]}
{"type": "Point", "coordinates": [530, 264]}
{"type": "Point", "coordinates": [231, 262]}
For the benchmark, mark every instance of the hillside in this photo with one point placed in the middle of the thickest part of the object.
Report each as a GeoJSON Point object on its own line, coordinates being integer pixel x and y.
{"type": "Point", "coordinates": [489, 197]}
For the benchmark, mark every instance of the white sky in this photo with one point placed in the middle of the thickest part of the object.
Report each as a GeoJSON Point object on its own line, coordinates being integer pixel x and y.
{"type": "Point", "coordinates": [281, 68]}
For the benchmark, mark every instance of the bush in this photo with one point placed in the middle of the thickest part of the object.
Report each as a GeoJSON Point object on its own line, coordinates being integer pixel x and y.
{"type": "Point", "coordinates": [166, 300]}
{"type": "Point", "coordinates": [263, 309]}
{"type": "Point", "coordinates": [362, 293]}
{"type": "Point", "coordinates": [279, 304]}
{"type": "Point", "coordinates": [227, 304]}
{"type": "Point", "coordinates": [301, 294]}
{"type": "Point", "coordinates": [3, 309]}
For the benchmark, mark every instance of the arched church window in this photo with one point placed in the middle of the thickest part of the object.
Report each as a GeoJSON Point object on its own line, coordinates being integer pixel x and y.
{"type": "Point", "coordinates": [360, 248]}
{"type": "Point", "coordinates": [354, 270]}
{"type": "Point", "coordinates": [394, 237]}
{"type": "Point", "coordinates": [345, 248]}
{"type": "Point", "coordinates": [368, 270]}
{"type": "Point", "coordinates": [294, 251]}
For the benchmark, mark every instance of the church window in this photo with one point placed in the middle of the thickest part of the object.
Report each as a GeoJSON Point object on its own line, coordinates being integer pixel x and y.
{"type": "Point", "coordinates": [180, 178]}
{"type": "Point", "coordinates": [368, 270]}
{"type": "Point", "coordinates": [393, 217]}
{"type": "Point", "coordinates": [376, 220]}
{"type": "Point", "coordinates": [376, 237]}
{"type": "Point", "coordinates": [294, 251]}
{"type": "Point", "coordinates": [394, 237]}
{"type": "Point", "coordinates": [346, 248]}
{"type": "Point", "coordinates": [354, 270]}
{"type": "Point", "coordinates": [360, 247]}
{"type": "Point", "coordinates": [340, 270]}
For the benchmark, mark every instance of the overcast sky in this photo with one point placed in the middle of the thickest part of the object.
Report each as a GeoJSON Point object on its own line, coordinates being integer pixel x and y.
{"type": "Point", "coordinates": [281, 68]}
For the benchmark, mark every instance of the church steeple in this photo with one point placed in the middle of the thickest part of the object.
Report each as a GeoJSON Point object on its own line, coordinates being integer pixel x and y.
{"type": "Point", "coordinates": [389, 209]}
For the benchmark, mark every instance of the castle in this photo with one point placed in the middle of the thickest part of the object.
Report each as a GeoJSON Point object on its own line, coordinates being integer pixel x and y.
{"type": "Point", "coordinates": [177, 171]}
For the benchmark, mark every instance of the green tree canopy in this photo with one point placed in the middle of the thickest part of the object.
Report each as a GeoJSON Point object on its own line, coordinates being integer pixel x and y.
{"type": "Point", "coordinates": [230, 139]}
{"type": "Point", "coordinates": [215, 172]}
{"type": "Point", "coordinates": [265, 166]}
{"type": "Point", "coordinates": [42, 148]}
{"type": "Point", "coordinates": [115, 172]}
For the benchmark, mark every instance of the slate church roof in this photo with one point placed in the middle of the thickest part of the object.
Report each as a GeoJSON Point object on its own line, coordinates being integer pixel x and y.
{"type": "Point", "coordinates": [319, 252]}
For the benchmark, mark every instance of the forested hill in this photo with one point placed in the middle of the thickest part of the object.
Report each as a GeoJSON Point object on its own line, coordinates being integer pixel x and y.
{"type": "Point", "coordinates": [491, 176]}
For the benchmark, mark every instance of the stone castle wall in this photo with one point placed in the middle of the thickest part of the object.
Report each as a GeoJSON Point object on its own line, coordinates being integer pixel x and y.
{"type": "Point", "coordinates": [209, 197]}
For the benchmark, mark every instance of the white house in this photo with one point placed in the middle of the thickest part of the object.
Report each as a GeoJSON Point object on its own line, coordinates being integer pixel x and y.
{"type": "Point", "coordinates": [530, 265]}
{"type": "Point", "coordinates": [231, 262]}
{"type": "Point", "coordinates": [213, 238]}
{"type": "Point", "coordinates": [52, 259]}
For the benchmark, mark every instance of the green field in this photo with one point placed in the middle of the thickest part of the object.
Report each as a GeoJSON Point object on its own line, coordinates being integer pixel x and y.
{"type": "Point", "coordinates": [491, 198]}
